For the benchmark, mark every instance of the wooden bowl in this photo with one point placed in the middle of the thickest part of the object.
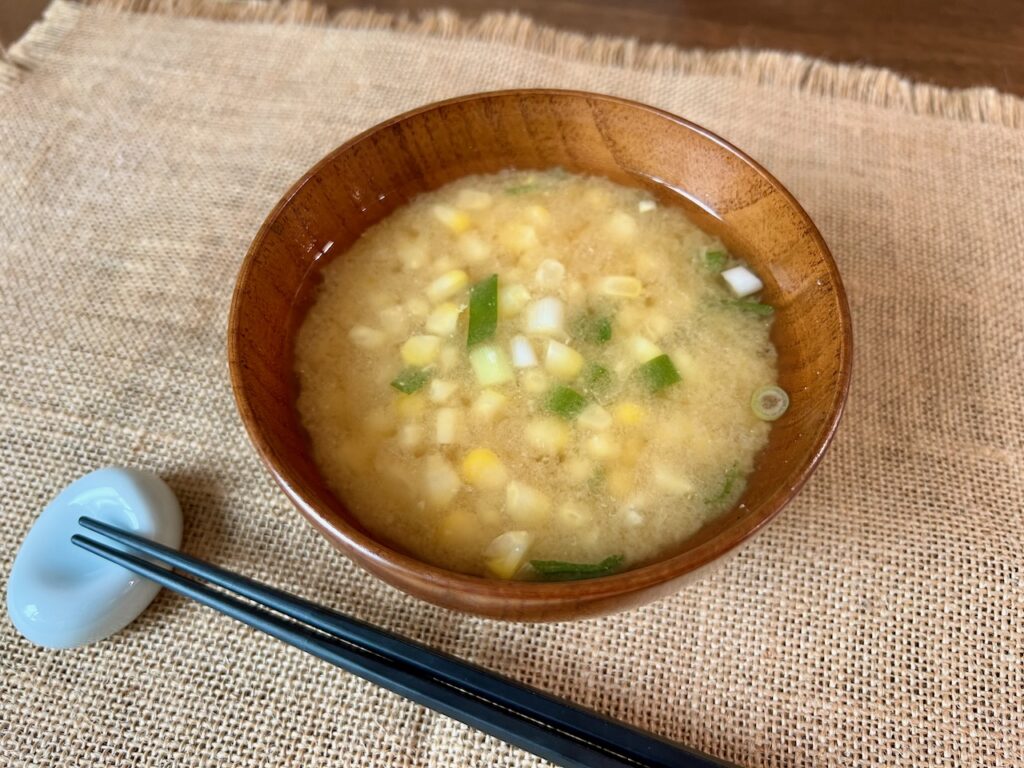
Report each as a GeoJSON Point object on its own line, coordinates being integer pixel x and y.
{"type": "Point", "coordinates": [680, 163]}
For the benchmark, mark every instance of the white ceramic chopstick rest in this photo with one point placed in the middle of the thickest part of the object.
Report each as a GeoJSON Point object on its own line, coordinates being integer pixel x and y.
{"type": "Point", "coordinates": [60, 596]}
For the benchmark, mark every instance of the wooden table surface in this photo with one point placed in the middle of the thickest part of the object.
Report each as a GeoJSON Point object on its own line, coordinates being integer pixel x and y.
{"type": "Point", "coordinates": [956, 43]}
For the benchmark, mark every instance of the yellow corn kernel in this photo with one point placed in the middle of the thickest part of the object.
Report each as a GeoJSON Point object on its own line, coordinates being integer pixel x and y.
{"type": "Point", "coordinates": [602, 447]}
{"type": "Point", "coordinates": [526, 505]}
{"type": "Point", "coordinates": [643, 349]}
{"type": "Point", "coordinates": [547, 435]}
{"type": "Point", "coordinates": [447, 285]}
{"type": "Point", "coordinates": [671, 482]}
{"type": "Point", "coordinates": [488, 405]}
{"type": "Point", "coordinates": [620, 286]}
{"type": "Point", "coordinates": [628, 414]}
{"type": "Point", "coordinates": [506, 553]}
{"type": "Point", "coordinates": [366, 337]}
{"type": "Point", "coordinates": [410, 436]}
{"type": "Point", "coordinates": [621, 226]}
{"type": "Point", "coordinates": [563, 362]}
{"type": "Point", "coordinates": [457, 221]}
{"type": "Point", "coordinates": [439, 390]}
{"type": "Point", "coordinates": [444, 319]}
{"type": "Point", "coordinates": [533, 381]}
{"type": "Point", "coordinates": [512, 298]}
{"type": "Point", "coordinates": [473, 248]}
{"type": "Point", "coordinates": [421, 351]}
{"type": "Point", "coordinates": [594, 417]}
{"type": "Point", "coordinates": [483, 469]}
{"type": "Point", "coordinates": [517, 238]}
{"type": "Point", "coordinates": [440, 482]}
{"type": "Point", "coordinates": [447, 426]}
{"type": "Point", "coordinates": [410, 406]}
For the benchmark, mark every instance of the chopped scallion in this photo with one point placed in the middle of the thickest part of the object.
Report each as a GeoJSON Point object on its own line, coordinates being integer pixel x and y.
{"type": "Point", "coordinates": [596, 379]}
{"type": "Point", "coordinates": [483, 311]}
{"type": "Point", "coordinates": [566, 402]}
{"type": "Point", "coordinates": [715, 260]}
{"type": "Point", "coordinates": [658, 373]}
{"type": "Point", "coordinates": [521, 189]}
{"type": "Point", "coordinates": [557, 570]}
{"type": "Point", "coordinates": [749, 305]}
{"type": "Point", "coordinates": [410, 380]}
{"type": "Point", "coordinates": [769, 403]}
{"type": "Point", "coordinates": [593, 329]}
{"type": "Point", "coordinates": [731, 476]}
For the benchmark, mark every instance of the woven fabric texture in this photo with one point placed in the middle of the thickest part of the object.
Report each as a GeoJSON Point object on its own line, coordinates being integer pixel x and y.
{"type": "Point", "coordinates": [878, 621]}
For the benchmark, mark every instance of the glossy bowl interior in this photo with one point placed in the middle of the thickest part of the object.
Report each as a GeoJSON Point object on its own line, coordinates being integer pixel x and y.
{"type": "Point", "coordinates": [681, 164]}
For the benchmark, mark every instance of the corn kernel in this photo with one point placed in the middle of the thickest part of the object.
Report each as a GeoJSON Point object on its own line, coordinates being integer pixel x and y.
{"type": "Point", "coordinates": [547, 435]}
{"type": "Point", "coordinates": [447, 425]}
{"type": "Point", "coordinates": [671, 482]}
{"type": "Point", "coordinates": [367, 338]}
{"type": "Point", "coordinates": [602, 447]}
{"type": "Point", "coordinates": [511, 299]}
{"type": "Point", "coordinates": [440, 482]}
{"type": "Point", "coordinates": [621, 226]}
{"type": "Point", "coordinates": [594, 417]}
{"type": "Point", "coordinates": [488, 405]}
{"type": "Point", "coordinates": [473, 248]}
{"type": "Point", "coordinates": [420, 351]}
{"type": "Point", "coordinates": [410, 406]}
{"type": "Point", "coordinates": [628, 414]}
{"type": "Point", "coordinates": [447, 285]}
{"type": "Point", "coordinates": [620, 286]}
{"type": "Point", "coordinates": [563, 362]}
{"type": "Point", "coordinates": [440, 390]}
{"type": "Point", "coordinates": [444, 319]}
{"type": "Point", "coordinates": [526, 505]}
{"type": "Point", "coordinates": [506, 553]}
{"type": "Point", "coordinates": [517, 238]}
{"type": "Point", "coordinates": [482, 468]}
{"type": "Point", "coordinates": [457, 221]}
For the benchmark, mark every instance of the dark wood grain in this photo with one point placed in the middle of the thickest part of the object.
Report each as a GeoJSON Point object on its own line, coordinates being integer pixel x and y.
{"type": "Point", "coordinates": [948, 42]}
{"type": "Point", "coordinates": [360, 183]}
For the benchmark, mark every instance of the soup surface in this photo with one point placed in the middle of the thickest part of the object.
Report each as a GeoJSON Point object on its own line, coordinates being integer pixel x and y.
{"type": "Point", "coordinates": [536, 375]}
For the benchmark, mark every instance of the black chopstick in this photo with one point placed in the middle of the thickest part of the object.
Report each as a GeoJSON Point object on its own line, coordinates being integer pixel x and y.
{"type": "Point", "coordinates": [603, 736]}
{"type": "Point", "coordinates": [541, 740]}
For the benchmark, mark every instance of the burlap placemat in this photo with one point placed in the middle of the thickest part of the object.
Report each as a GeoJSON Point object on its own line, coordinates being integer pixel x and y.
{"type": "Point", "coordinates": [877, 622]}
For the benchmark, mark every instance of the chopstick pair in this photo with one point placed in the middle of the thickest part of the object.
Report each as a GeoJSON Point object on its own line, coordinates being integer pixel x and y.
{"type": "Point", "coordinates": [550, 727]}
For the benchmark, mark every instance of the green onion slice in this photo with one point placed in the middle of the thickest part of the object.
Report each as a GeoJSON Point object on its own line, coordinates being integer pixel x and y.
{"type": "Point", "coordinates": [593, 329]}
{"type": "Point", "coordinates": [557, 570]}
{"type": "Point", "coordinates": [749, 305]}
{"type": "Point", "coordinates": [596, 379]}
{"type": "Point", "coordinates": [715, 260]}
{"type": "Point", "coordinates": [728, 482]}
{"type": "Point", "coordinates": [566, 402]}
{"type": "Point", "coordinates": [410, 380]}
{"type": "Point", "coordinates": [769, 403]}
{"type": "Point", "coordinates": [483, 311]}
{"type": "Point", "coordinates": [658, 373]}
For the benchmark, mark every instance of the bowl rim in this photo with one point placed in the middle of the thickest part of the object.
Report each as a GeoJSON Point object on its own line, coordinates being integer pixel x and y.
{"type": "Point", "coordinates": [380, 558]}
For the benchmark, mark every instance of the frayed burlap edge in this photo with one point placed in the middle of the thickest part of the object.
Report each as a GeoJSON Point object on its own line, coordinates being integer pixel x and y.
{"type": "Point", "coordinates": [871, 85]}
